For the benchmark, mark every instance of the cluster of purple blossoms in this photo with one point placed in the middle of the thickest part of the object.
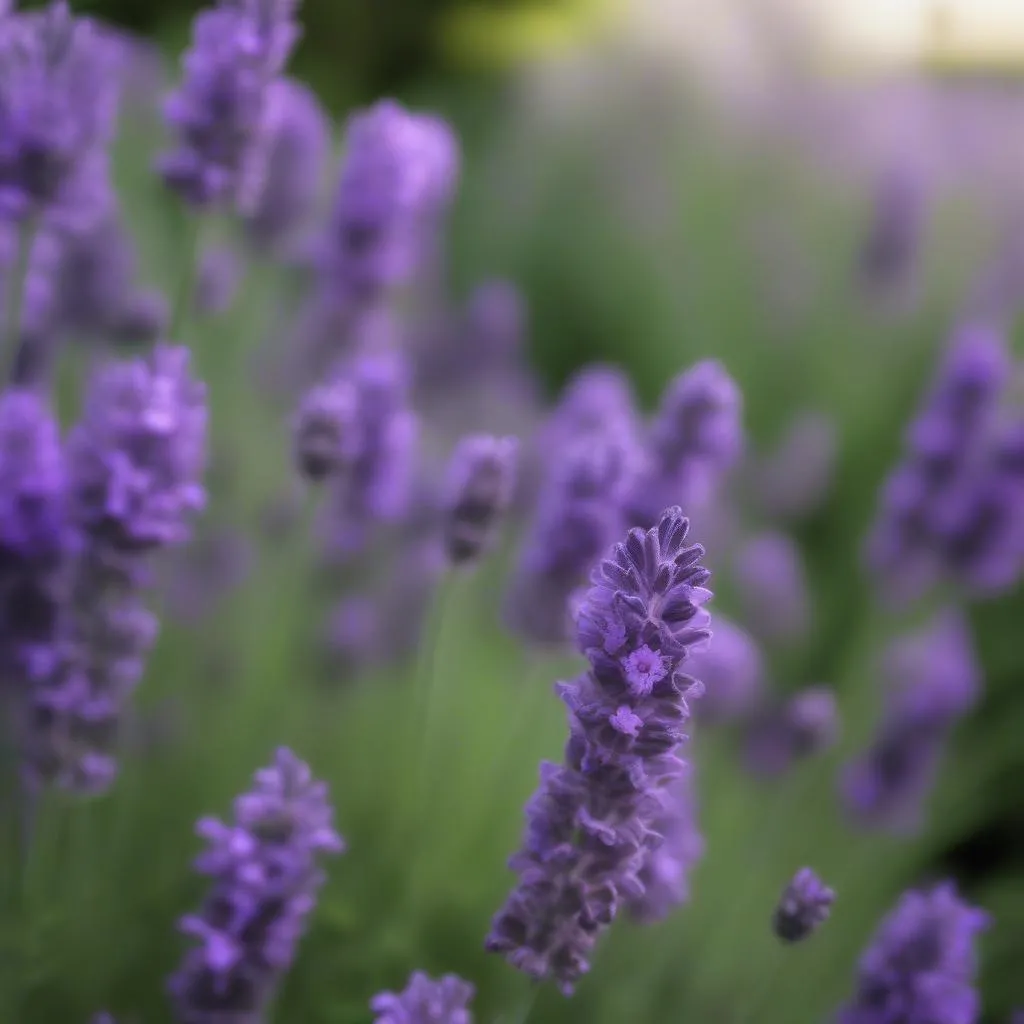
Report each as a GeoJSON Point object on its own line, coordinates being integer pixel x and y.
{"type": "Point", "coordinates": [58, 104]}
{"type": "Point", "coordinates": [223, 112]}
{"type": "Point", "coordinates": [133, 468]}
{"type": "Point", "coordinates": [265, 874]}
{"type": "Point", "coordinates": [732, 671]}
{"type": "Point", "coordinates": [932, 681]}
{"type": "Point", "coordinates": [591, 826]}
{"type": "Point", "coordinates": [803, 907]}
{"type": "Point", "coordinates": [920, 967]}
{"type": "Point", "coordinates": [694, 439]}
{"type": "Point", "coordinates": [950, 507]}
{"type": "Point", "coordinates": [425, 1001]}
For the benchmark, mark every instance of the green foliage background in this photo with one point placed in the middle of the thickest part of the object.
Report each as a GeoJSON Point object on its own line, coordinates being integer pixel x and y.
{"type": "Point", "coordinates": [428, 840]}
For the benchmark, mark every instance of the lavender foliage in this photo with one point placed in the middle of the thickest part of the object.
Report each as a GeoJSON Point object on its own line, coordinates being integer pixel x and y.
{"type": "Point", "coordinates": [591, 824]}
{"type": "Point", "coordinates": [425, 1001]}
{"type": "Point", "coordinates": [803, 907]}
{"type": "Point", "coordinates": [920, 966]}
{"type": "Point", "coordinates": [264, 872]}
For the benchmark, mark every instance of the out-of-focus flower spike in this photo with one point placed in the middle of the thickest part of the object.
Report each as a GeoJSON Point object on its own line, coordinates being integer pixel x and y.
{"type": "Point", "coordinates": [803, 726]}
{"type": "Point", "coordinates": [425, 1001]}
{"type": "Point", "coordinates": [327, 430]}
{"type": "Point", "coordinates": [732, 671]}
{"type": "Point", "coordinates": [803, 907]}
{"type": "Point", "coordinates": [771, 587]}
{"type": "Point", "coordinates": [217, 281]}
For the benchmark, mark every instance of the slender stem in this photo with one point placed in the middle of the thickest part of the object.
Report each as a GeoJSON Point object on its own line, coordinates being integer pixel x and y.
{"type": "Point", "coordinates": [185, 299]}
{"type": "Point", "coordinates": [16, 289]}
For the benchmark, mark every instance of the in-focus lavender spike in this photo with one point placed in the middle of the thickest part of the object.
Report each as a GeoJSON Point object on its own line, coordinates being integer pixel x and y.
{"type": "Point", "coordinates": [803, 907]}
{"type": "Point", "coordinates": [426, 1001]}
{"type": "Point", "coordinates": [921, 964]}
{"type": "Point", "coordinates": [592, 822]}
{"type": "Point", "coordinates": [478, 490]}
{"type": "Point", "coordinates": [264, 871]}
{"type": "Point", "coordinates": [222, 112]}
{"type": "Point", "coordinates": [694, 438]}
{"type": "Point", "coordinates": [803, 726]}
{"type": "Point", "coordinates": [932, 680]}
{"type": "Point", "coordinates": [771, 587]}
{"type": "Point", "coordinates": [732, 671]}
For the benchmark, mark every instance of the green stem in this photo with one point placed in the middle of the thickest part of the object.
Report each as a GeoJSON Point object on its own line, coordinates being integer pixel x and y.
{"type": "Point", "coordinates": [16, 289]}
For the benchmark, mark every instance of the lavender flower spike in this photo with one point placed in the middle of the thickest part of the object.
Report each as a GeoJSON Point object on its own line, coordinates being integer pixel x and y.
{"type": "Point", "coordinates": [732, 670]}
{"type": "Point", "coordinates": [222, 113]}
{"type": "Point", "coordinates": [771, 587]}
{"type": "Point", "coordinates": [479, 488]}
{"type": "Point", "coordinates": [695, 437]}
{"type": "Point", "coordinates": [932, 680]}
{"type": "Point", "coordinates": [801, 727]}
{"type": "Point", "coordinates": [326, 432]}
{"type": "Point", "coordinates": [920, 966]}
{"type": "Point", "coordinates": [591, 825]}
{"type": "Point", "coordinates": [265, 875]}
{"type": "Point", "coordinates": [803, 907]}
{"type": "Point", "coordinates": [425, 1001]}
{"type": "Point", "coordinates": [57, 109]}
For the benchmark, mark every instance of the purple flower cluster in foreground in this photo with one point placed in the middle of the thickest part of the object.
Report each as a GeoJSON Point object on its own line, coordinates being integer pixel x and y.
{"type": "Point", "coordinates": [591, 826]}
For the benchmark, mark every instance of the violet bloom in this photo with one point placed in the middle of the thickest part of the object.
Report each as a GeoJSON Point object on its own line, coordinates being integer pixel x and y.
{"type": "Point", "coordinates": [595, 398]}
{"type": "Point", "coordinates": [920, 967]}
{"type": "Point", "coordinates": [889, 257]}
{"type": "Point", "coordinates": [591, 826]}
{"type": "Point", "coordinates": [803, 726]}
{"type": "Point", "coordinates": [326, 432]}
{"type": "Point", "coordinates": [693, 440]}
{"type": "Point", "coordinates": [35, 537]}
{"type": "Point", "coordinates": [297, 150]}
{"type": "Point", "coordinates": [142, 319]}
{"type": "Point", "coordinates": [477, 493]}
{"type": "Point", "coordinates": [222, 112]}
{"type": "Point", "coordinates": [792, 482]}
{"type": "Point", "coordinates": [425, 1001]}
{"type": "Point", "coordinates": [771, 587]}
{"type": "Point", "coordinates": [378, 485]}
{"type": "Point", "coordinates": [803, 907]}
{"type": "Point", "coordinates": [399, 174]}
{"type": "Point", "coordinates": [578, 514]}
{"type": "Point", "coordinates": [57, 111]}
{"type": "Point", "coordinates": [732, 671]}
{"type": "Point", "coordinates": [264, 872]}
{"type": "Point", "coordinates": [944, 441]}
{"type": "Point", "coordinates": [932, 681]}
{"type": "Point", "coordinates": [672, 854]}
{"type": "Point", "coordinates": [134, 463]}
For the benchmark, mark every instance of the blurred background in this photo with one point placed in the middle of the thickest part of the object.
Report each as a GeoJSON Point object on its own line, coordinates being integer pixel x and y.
{"type": "Point", "coordinates": [815, 194]}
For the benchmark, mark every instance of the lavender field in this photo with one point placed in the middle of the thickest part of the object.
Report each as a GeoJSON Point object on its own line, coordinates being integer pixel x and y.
{"type": "Point", "coordinates": [538, 550]}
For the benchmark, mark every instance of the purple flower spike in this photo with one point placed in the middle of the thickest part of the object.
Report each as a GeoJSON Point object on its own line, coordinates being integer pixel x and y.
{"type": "Point", "coordinates": [222, 112]}
{"type": "Point", "coordinates": [889, 257]}
{"type": "Point", "coordinates": [592, 824]}
{"type": "Point", "coordinates": [425, 1001]}
{"type": "Point", "coordinates": [478, 491]}
{"type": "Point", "coordinates": [297, 150]}
{"type": "Point", "coordinates": [57, 110]}
{"type": "Point", "coordinates": [398, 177]}
{"type": "Point", "coordinates": [927, 502]}
{"type": "Point", "coordinates": [137, 457]}
{"type": "Point", "coordinates": [326, 432]}
{"type": "Point", "coordinates": [804, 906]}
{"type": "Point", "coordinates": [597, 398]}
{"type": "Point", "coordinates": [933, 680]}
{"type": "Point", "coordinates": [264, 872]}
{"type": "Point", "coordinates": [671, 857]}
{"type": "Point", "coordinates": [921, 964]}
{"type": "Point", "coordinates": [578, 514]}
{"type": "Point", "coordinates": [771, 588]}
{"type": "Point", "coordinates": [694, 439]}
{"type": "Point", "coordinates": [732, 671]}
{"type": "Point", "coordinates": [805, 725]}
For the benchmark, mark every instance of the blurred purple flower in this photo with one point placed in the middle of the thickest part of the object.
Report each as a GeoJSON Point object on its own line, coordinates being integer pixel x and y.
{"type": "Point", "coordinates": [326, 436]}
{"type": "Point", "coordinates": [803, 907]}
{"type": "Point", "coordinates": [223, 112]}
{"type": "Point", "coordinates": [57, 111]}
{"type": "Point", "coordinates": [771, 588]}
{"type": "Point", "coordinates": [142, 319]}
{"type": "Point", "coordinates": [478, 489]}
{"type": "Point", "coordinates": [398, 176]}
{"type": "Point", "coordinates": [297, 150]}
{"type": "Point", "coordinates": [888, 261]}
{"type": "Point", "coordinates": [218, 280]}
{"type": "Point", "coordinates": [932, 680]}
{"type": "Point", "coordinates": [265, 875]}
{"type": "Point", "coordinates": [591, 826]}
{"type": "Point", "coordinates": [732, 672]}
{"type": "Point", "coordinates": [693, 440]}
{"type": "Point", "coordinates": [595, 398]}
{"type": "Point", "coordinates": [920, 966]}
{"type": "Point", "coordinates": [215, 564]}
{"type": "Point", "coordinates": [804, 725]}
{"type": "Point", "coordinates": [425, 1001]}
{"type": "Point", "coordinates": [792, 482]}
